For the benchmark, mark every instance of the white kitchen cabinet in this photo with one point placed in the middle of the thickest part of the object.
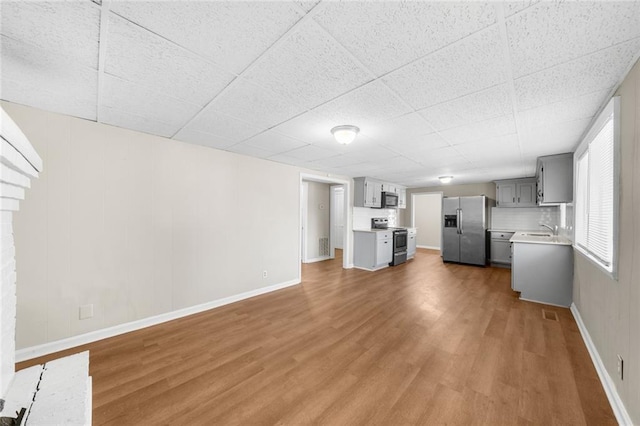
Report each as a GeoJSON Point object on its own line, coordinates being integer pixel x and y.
{"type": "Point", "coordinates": [402, 198]}
{"type": "Point", "coordinates": [554, 179]}
{"type": "Point", "coordinates": [389, 187]}
{"type": "Point", "coordinates": [516, 193]}
{"type": "Point", "coordinates": [412, 240]}
{"type": "Point", "coordinates": [367, 192]}
{"type": "Point", "coordinates": [543, 272]}
{"type": "Point", "coordinates": [372, 250]}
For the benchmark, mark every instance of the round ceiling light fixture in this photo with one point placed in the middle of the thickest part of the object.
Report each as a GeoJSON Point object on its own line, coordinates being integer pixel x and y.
{"type": "Point", "coordinates": [345, 134]}
{"type": "Point", "coordinates": [445, 179]}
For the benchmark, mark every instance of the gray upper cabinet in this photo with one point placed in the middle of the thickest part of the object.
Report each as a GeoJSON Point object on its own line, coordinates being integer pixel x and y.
{"type": "Point", "coordinates": [516, 193]}
{"type": "Point", "coordinates": [555, 179]}
{"type": "Point", "coordinates": [368, 192]}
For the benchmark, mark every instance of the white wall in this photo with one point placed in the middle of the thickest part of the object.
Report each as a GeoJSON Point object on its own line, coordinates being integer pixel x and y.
{"type": "Point", "coordinates": [139, 225]}
{"type": "Point", "coordinates": [610, 308]}
{"type": "Point", "coordinates": [318, 209]}
{"type": "Point", "coordinates": [427, 210]}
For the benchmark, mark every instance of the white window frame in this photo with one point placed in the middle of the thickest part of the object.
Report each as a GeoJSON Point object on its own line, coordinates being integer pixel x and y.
{"type": "Point", "coordinates": [613, 107]}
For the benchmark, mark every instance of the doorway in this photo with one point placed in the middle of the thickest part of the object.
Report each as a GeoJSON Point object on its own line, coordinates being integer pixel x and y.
{"type": "Point", "coordinates": [426, 215]}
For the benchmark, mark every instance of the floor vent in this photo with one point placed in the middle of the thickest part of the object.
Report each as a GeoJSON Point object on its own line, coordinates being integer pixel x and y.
{"type": "Point", "coordinates": [549, 315]}
{"type": "Point", "coordinates": [323, 246]}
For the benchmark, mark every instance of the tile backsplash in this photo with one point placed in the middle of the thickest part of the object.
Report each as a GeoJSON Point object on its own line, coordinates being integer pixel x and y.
{"type": "Point", "coordinates": [362, 216]}
{"type": "Point", "coordinates": [524, 218]}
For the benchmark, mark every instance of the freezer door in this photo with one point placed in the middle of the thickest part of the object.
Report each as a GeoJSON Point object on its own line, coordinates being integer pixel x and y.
{"type": "Point", "coordinates": [450, 235]}
{"type": "Point", "coordinates": [473, 230]}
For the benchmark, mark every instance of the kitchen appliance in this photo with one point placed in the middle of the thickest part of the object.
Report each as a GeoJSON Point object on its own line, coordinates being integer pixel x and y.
{"type": "Point", "coordinates": [400, 239]}
{"type": "Point", "coordinates": [464, 232]}
{"type": "Point", "coordinates": [389, 200]}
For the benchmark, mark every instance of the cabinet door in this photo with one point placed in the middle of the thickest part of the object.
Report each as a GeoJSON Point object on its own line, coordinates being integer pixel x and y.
{"type": "Point", "coordinates": [526, 194]}
{"type": "Point", "coordinates": [384, 252]}
{"type": "Point", "coordinates": [411, 245]}
{"type": "Point", "coordinates": [376, 194]}
{"type": "Point", "coordinates": [369, 194]}
{"type": "Point", "coordinates": [506, 194]}
{"type": "Point", "coordinates": [402, 199]}
{"type": "Point", "coordinates": [501, 251]}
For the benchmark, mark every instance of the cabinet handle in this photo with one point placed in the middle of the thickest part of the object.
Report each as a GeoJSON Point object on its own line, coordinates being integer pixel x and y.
{"type": "Point", "coordinates": [514, 199]}
{"type": "Point", "coordinates": [518, 199]}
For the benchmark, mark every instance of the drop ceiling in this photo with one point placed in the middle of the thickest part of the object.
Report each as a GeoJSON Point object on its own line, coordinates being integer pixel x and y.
{"type": "Point", "coordinates": [474, 90]}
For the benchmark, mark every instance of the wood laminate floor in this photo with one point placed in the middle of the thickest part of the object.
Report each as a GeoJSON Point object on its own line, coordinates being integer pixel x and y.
{"type": "Point", "coordinates": [419, 343]}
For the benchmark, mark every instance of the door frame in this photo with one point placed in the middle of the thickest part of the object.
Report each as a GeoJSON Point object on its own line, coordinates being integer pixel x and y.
{"type": "Point", "coordinates": [347, 241]}
{"type": "Point", "coordinates": [332, 218]}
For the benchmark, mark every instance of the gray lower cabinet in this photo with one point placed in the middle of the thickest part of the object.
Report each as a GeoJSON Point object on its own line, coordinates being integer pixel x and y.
{"type": "Point", "coordinates": [543, 273]}
{"type": "Point", "coordinates": [372, 250]}
{"type": "Point", "coordinates": [500, 250]}
{"type": "Point", "coordinates": [412, 240]}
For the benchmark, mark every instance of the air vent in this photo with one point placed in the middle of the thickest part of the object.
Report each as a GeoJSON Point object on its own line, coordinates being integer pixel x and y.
{"type": "Point", "coordinates": [549, 315]}
{"type": "Point", "coordinates": [323, 246]}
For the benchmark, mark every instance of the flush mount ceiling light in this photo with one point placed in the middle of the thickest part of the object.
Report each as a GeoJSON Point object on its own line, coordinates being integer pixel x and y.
{"type": "Point", "coordinates": [445, 179]}
{"type": "Point", "coordinates": [345, 134]}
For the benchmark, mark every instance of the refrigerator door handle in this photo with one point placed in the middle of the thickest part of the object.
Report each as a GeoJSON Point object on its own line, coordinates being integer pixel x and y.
{"type": "Point", "coordinates": [460, 221]}
{"type": "Point", "coordinates": [458, 217]}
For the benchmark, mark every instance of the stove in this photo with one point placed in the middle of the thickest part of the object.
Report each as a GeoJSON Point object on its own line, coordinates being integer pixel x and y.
{"type": "Point", "coordinates": [400, 236]}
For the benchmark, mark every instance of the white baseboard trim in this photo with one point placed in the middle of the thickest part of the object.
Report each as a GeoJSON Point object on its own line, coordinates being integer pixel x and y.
{"type": "Point", "coordinates": [429, 247]}
{"type": "Point", "coordinates": [82, 339]}
{"type": "Point", "coordinates": [317, 259]}
{"type": "Point", "coordinates": [619, 410]}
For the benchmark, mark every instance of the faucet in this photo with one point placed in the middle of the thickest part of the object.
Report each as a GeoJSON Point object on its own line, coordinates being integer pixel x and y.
{"type": "Point", "coordinates": [554, 229]}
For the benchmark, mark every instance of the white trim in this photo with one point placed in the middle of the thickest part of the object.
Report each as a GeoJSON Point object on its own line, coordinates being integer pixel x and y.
{"type": "Point", "coordinates": [619, 410]}
{"type": "Point", "coordinates": [371, 269]}
{"type": "Point", "coordinates": [317, 259]}
{"type": "Point", "coordinates": [428, 247]}
{"type": "Point", "coordinates": [82, 339]}
{"type": "Point", "coordinates": [541, 303]}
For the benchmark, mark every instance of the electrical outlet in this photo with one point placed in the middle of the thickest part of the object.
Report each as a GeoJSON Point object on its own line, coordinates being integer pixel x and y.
{"type": "Point", "coordinates": [264, 274]}
{"type": "Point", "coordinates": [620, 368]}
{"type": "Point", "coordinates": [86, 311]}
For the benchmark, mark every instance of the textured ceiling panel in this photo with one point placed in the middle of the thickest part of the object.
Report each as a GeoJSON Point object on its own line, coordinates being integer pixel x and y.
{"type": "Point", "coordinates": [552, 33]}
{"type": "Point", "coordinates": [129, 120]}
{"type": "Point", "coordinates": [481, 130]}
{"type": "Point", "coordinates": [399, 131]}
{"type": "Point", "coordinates": [366, 106]}
{"type": "Point", "coordinates": [554, 138]}
{"type": "Point", "coordinates": [274, 142]}
{"type": "Point", "coordinates": [310, 153]}
{"type": "Point", "coordinates": [139, 56]}
{"type": "Point", "coordinates": [223, 126]}
{"type": "Point", "coordinates": [309, 127]}
{"type": "Point", "coordinates": [373, 32]}
{"type": "Point", "coordinates": [203, 138]}
{"type": "Point", "coordinates": [419, 145]}
{"type": "Point", "coordinates": [470, 65]}
{"type": "Point", "coordinates": [306, 5]}
{"type": "Point", "coordinates": [70, 29]}
{"type": "Point", "coordinates": [139, 101]}
{"type": "Point", "coordinates": [477, 106]}
{"type": "Point", "coordinates": [35, 77]}
{"type": "Point", "coordinates": [500, 148]}
{"type": "Point", "coordinates": [308, 68]}
{"type": "Point", "coordinates": [588, 74]}
{"type": "Point", "coordinates": [230, 33]}
{"type": "Point", "coordinates": [513, 7]}
{"type": "Point", "coordinates": [252, 103]}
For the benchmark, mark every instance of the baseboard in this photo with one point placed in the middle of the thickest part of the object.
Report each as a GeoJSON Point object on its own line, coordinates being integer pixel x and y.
{"type": "Point", "coordinates": [317, 259]}
{"type": "Point", "coordinates": [82, 339]}
{"type": "Point", "coordinates": [429, 247]}
{"type": "Point", "coordinates": [619, 410]}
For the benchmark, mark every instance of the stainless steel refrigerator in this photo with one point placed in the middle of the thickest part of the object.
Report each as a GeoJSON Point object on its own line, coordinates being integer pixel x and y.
{"type": "Point", "coordinates": [464, 232]}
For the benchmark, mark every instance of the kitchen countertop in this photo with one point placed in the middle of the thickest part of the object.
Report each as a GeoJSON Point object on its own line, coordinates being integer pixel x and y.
{"type": "Point", "coordinates": [547, 238]}
{"type": "Point", "coordinates": [372, 230]}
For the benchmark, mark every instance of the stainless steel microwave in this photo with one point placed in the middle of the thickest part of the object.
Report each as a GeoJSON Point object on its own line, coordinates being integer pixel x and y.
{"type": "Point", "coordinates": [389, 200]}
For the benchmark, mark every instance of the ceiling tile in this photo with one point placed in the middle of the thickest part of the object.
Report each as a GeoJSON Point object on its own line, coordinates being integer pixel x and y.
{"type": "Point", "coordinates": [372, 34]}
{"type": "Point", "coordinates": [399, 130]}
{"type": "Point", "coordinates": [309, 127]}
{"type": "Point", "coordinates": [254, 104]}
{"type": "Point", "coordinates": [513, 7]}
{"type": "Point", "coordinates": [492, 150]}
{"type": "Point", "coordinates": [478, 106]}
{"type": "Point", "coordinates": [222, 126]}
{"type": "Point", "coordinates": [365, 106]}
{"type": "Point", "coordinates": [139, 101]}
{"type": "Point", "coordinates": [275, 142]}
{"type": "Point", "coordinates": [250, 150]}
{"type": "Point", "coordinates": [552, 33]}
{"type": "Point", "coordinates": [203, 138]}
{"type": "Point", "coordinates": [491, 128]}
{"type": "Point", "coordinates": [69, 29]}
{"type": "Point", "coordinates": [35, 77]}
{"type": "Point", "coordinates": [310, 153]}
{"type": "Point", "coordinates": [585, 106]}
{"type": "Point", "coordinates": [473, 64]}
{"type": "Point", "coordinates": [232, 34]}
{"type": "Point", "coordinates": [307, 5]}
{"type": "Point", "coordinates": [419, 145]}
{"type": "Point", "coordinates": [139, 56]}
{"type": "Point", "coordinates": [129, 120]}
{"type": "Point", "coordinates": [554, 138]}
{"type": "Point", "coordinates": [308, 68]}
{"type": "Point", "coordinates": [599, 71]}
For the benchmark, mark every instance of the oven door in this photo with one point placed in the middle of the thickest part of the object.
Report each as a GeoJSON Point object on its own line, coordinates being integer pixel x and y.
{"type": "Point", "coordinates": [400, 239]}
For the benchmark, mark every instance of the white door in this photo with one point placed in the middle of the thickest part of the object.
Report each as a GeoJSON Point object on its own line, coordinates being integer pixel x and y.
{"type": "Point", "coordinates": [337, 216]}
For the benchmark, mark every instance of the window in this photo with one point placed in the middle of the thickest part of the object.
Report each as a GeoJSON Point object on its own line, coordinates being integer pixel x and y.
{"type": "Point", "coordinates": [596, 190]}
